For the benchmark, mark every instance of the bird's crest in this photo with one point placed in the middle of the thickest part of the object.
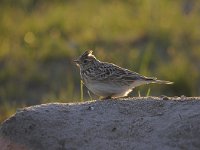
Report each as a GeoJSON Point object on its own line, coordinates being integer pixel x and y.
{"type": "Point", "coordinates": [87, 53]}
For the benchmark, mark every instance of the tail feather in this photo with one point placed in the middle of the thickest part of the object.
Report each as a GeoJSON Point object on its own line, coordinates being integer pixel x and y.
{"type": "Point", "coordinates": [154, 80]}
{"type": "Point", "coordinates": [162, 82]}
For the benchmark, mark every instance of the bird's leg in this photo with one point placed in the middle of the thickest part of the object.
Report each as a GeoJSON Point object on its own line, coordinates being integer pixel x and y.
{"type": "Point", "coordinates": [108, 97]}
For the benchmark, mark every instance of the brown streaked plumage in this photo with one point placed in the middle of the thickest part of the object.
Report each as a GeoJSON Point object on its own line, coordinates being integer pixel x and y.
{"type": "Point", "coordinates": [109, 80]}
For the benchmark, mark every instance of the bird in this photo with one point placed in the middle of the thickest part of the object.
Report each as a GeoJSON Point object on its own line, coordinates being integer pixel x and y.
{"type": "Point", "coordinates": [108, 80]}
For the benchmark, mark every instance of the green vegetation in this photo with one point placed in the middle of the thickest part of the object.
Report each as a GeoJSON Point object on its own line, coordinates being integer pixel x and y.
{"type": "Point", "coordinates": [39, 40]}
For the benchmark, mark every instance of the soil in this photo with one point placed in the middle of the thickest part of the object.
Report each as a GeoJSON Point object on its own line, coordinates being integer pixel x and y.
{"type": "Point", "coordinates": [131, 124]}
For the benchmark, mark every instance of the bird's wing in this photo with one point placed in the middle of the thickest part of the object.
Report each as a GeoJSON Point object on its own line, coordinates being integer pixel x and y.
{"type": "Point", "coordinates": [108, 71]}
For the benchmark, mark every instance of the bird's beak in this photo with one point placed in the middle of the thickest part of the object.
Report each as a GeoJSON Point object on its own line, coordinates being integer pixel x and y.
{"type": "Point", "coordinates": [77, 61]}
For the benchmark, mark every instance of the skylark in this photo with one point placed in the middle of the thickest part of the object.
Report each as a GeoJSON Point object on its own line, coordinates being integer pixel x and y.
{"type": "Point", "coordinates": [109, 80]}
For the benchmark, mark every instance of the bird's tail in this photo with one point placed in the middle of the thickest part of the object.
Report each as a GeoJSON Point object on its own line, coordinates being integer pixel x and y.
{"type": "Point", "coordinates": [154, 80]}
{"type": "Point", "coordinates": [162, 82]}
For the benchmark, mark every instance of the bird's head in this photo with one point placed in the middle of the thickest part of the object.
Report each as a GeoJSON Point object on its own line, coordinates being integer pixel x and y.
{"type": "Point", "coordinates": [86, 59]}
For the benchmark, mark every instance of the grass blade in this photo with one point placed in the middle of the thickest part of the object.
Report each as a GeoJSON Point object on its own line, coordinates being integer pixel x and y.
{"type": "Point", "coordinates": [81, 90]}
{"type": "Point", "coordinates": [148, 92]}
{"type": "Point", "coordinates": [139, 94]}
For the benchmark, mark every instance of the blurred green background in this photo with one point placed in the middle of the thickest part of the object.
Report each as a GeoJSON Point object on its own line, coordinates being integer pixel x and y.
{"type": "Point", "coordinates": [39, 40]}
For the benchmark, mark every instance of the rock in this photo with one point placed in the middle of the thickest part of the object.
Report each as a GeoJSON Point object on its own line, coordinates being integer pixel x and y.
{"type": "Point", "coordinates": [133, 123]}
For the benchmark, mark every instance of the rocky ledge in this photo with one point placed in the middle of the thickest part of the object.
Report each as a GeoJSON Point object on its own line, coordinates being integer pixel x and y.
{"type": "Point", "coordinates": [134, 123]}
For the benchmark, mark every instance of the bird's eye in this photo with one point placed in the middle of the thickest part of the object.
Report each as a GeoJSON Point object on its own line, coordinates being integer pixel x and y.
{"type": "Point", "coordinates": [85, 61]}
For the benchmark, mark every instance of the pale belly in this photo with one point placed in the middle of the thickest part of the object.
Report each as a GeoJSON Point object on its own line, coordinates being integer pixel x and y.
{"type": "Point", "coordinates": [108, 89]}
{"type": "Point", "coordinates": [112, 89]}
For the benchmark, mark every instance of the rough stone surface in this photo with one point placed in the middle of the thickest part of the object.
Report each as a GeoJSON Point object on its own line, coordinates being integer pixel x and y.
{"type": "Point", "coordinates": [133, 123]}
